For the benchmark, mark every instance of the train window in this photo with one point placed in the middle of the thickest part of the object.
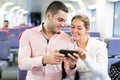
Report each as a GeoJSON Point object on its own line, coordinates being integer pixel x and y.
{"type": "Point", "coordinates": [116, 23]}
{"type": "Point", "coordinates": [93, 21]}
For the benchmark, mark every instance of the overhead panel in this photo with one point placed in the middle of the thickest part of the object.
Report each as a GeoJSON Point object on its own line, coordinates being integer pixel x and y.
{"type": "Point", "coordinates": [89, 3]}
{"type": "Point", "coordinates": [1, 2]}
{"type": "Point", "coordinates": [113, 0]}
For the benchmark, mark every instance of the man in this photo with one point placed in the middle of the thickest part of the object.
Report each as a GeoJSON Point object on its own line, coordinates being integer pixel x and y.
{"type": "Point", "coordinates": [5, 27]}
{"type": "Point", "coordinates": [39, 46]}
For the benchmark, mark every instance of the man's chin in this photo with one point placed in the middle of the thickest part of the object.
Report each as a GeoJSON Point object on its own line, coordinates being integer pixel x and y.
{"type": "Point", "coordinates": [57, 32]}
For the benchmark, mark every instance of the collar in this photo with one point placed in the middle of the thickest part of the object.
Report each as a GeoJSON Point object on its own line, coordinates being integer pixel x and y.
{"type": "Point", "coordinates": [40, 28]}
{"type": "Point", "coordinates": [89, 44]}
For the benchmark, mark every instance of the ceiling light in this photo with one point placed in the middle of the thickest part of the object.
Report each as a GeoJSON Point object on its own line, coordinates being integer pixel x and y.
{"type": "Point", "coordinates": [92, 6]}
{"type": "Point", "coordinates": [74, 0]}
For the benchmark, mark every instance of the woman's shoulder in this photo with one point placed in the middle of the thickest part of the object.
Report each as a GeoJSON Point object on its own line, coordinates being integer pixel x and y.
{"type": "Point", "coordinates": [98, 41]}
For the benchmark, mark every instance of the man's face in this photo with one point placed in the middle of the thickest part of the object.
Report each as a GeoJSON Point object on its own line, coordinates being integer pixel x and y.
{"type": "Point", "coordinates": [57, 21]}
{"type": "Point", "coordinates": [6, 24]}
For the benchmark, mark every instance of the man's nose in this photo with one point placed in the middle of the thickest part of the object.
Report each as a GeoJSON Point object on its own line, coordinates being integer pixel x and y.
{"type": "Point", "coordinates": [62, 24]}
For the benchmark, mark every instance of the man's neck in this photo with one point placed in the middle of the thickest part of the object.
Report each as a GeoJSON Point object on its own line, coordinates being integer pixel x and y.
{"type": "Point", "coordinates": [46, 31]}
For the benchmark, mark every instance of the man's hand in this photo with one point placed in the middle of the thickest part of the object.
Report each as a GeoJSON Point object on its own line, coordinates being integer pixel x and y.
{"type": "Point", "coordinates": [53, 58]}
{"type": "Point", "coordinates": [72, 59]}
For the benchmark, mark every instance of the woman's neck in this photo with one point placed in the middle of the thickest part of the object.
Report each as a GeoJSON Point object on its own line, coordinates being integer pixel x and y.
{"type": "Point", "coordinates": [82, 43]}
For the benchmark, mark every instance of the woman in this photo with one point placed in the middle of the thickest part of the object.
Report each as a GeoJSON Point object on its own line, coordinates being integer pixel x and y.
{"type": "Point", "coordinates": [93, 58]}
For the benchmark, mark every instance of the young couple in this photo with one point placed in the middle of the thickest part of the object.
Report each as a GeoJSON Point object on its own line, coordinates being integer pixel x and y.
{"type": "Point", "coordinates": [39, 48]}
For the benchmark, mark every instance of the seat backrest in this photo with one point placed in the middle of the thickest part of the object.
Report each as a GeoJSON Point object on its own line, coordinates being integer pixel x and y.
{"type": "Point", "coordinates": [4, 50]}
{"type": "Point", "coordinates": [113, 45]}
{"type": "Point", "coordinates": [3, 35]}
{"type": "Point", "coordinates": [14, 31]}
{"type": "Point", "coordinates": [94, 34]}
{"type": "Point", "coordinates": [14, 42]}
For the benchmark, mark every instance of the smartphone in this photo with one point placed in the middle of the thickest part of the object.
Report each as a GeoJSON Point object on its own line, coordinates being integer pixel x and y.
{"type": "Point", "coordinates": [66, 52]}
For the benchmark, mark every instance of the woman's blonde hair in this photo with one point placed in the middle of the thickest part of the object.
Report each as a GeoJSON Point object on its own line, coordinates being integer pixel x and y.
{"type": "Point", "coordinates": [84, 19]}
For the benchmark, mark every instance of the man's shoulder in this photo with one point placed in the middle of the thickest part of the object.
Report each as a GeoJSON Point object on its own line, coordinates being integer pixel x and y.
{"type": "Point", "coordinates": [31, 29]}
{"type": "Point", "coordinates": [65, 35]}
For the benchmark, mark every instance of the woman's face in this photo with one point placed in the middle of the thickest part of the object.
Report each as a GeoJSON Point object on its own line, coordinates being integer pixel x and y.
{"type": "Point", "coordinates": [78, 30]}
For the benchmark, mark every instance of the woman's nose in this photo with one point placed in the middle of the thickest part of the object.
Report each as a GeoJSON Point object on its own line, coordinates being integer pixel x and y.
{"type": "Point", "coordinates": [75, 30]}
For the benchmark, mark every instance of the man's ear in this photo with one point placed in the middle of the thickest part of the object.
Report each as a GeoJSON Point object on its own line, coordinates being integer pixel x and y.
{"type": "Point", "coordinates": [49, 15]}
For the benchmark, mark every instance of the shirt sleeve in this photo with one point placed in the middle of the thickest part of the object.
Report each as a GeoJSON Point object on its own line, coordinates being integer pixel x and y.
{"type": "Point", "coordinates": [98, 66]}
{"type": "Point", "coordinates": [25, 61]}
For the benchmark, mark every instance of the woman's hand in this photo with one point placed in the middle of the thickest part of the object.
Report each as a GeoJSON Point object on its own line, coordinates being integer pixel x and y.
{"type": "Point", "coordinates": [81, 54]}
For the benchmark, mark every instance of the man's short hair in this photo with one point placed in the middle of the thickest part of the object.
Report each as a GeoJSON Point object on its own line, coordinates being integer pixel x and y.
{"type": "Point", "coordinates": [55, 6]}
{"type": "Point", "coordinates": [6, 21]}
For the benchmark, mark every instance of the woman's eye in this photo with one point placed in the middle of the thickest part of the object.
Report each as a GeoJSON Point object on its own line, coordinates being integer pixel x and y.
{"type": "Point", "coordinates": [79, 28]}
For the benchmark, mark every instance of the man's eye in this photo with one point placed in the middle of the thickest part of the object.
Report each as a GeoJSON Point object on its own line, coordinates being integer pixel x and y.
{"type": "Point", "coordinates": [60, 20]}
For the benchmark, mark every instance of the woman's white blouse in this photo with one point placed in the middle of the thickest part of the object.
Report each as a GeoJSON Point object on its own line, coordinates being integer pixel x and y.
{"type": "Point", "coordinates": [95, 66]}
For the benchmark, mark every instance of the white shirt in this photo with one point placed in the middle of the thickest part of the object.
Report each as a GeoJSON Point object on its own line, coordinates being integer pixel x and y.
{"type": "Point", "coordinates": [94, 67]}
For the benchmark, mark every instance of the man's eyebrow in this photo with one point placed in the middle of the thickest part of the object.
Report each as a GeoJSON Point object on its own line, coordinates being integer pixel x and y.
{"type": "Point", "coordinates": [62, 19]}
